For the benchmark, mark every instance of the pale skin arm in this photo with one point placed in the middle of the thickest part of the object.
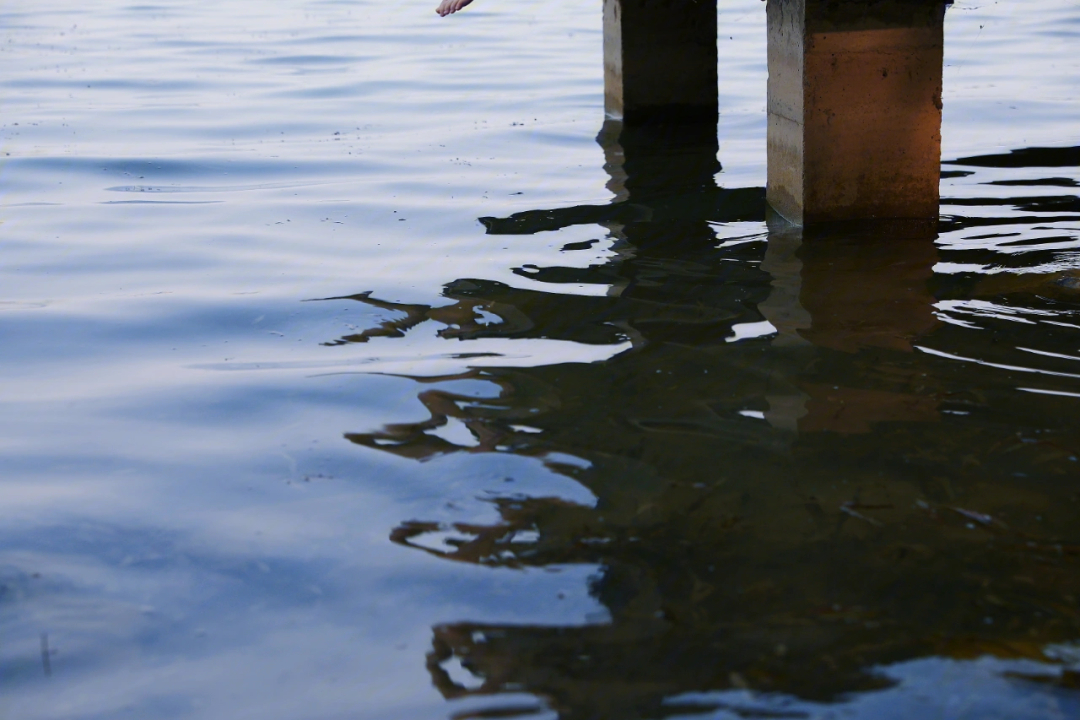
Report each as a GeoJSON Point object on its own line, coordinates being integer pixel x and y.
{"type": "Point", "coordinates": [449, 7]}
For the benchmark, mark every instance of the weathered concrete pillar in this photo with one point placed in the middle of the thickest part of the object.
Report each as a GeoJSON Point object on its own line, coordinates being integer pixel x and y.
{"type": "Point", "coordinates": [854, 108]}
{"type": "Point", "coordinates": [660, 60]}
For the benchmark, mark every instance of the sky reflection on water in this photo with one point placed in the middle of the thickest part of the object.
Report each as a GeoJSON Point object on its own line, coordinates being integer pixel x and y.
{"type": "Point", "coordinates": [233, 235]}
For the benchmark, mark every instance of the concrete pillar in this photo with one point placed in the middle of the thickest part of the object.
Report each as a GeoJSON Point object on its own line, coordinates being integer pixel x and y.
{"type": "Point", "coordinates": [854, 108]}
{"type": "Point", "coordinates": [659, 160]}
{"type": "Point", "coordinates": [660, 60]}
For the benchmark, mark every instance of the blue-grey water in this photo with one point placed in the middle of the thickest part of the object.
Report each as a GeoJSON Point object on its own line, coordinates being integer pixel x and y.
{"type": "Point", "coordinates": [289, 433]}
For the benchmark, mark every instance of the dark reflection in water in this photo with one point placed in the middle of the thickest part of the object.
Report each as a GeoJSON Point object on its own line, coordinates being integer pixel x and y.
{"type": "Point", "coordinates": [822, 453]}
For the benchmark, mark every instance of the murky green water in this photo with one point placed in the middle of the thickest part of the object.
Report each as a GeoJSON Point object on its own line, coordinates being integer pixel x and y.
{"type": "Point", "coordinates": [289, 432]}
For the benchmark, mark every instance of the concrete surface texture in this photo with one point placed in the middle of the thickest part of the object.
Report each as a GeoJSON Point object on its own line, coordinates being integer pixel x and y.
{"type": "Point", "coordinates": [854, 109]}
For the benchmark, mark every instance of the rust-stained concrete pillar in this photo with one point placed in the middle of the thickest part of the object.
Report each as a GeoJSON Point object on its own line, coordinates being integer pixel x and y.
{"type": "Point", "coordinates": [854, 108]}
{"type": "Point", "coordinates": [660, 60]}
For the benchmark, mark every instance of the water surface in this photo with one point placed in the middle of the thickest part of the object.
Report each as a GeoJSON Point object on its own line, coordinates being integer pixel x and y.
{"type": "Point", "coordinates": [355, 367]}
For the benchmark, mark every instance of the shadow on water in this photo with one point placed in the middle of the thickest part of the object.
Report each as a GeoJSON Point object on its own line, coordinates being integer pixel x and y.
{"type": "Point", "coordinates": [823, 453]}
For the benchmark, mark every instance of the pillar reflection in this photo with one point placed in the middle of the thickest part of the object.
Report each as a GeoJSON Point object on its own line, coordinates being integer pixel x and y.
{"type": "Point", "coordinates": [780, 504]}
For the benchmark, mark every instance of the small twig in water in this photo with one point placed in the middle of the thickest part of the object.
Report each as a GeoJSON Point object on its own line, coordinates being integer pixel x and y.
{"type": "Point", "coordinates": [848, 509]}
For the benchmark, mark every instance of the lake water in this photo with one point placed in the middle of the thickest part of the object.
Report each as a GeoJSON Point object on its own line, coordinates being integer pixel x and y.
{"type": "Point", "coordinates": [289, 433]}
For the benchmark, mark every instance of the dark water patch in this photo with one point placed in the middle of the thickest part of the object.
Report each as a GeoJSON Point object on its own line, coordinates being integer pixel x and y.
{"type": "Point", "coordinates": [1051, 203]}
{"type": "Point", "coordinates": [583, 245]}
{"type": "Point", "coordinates": [949, 223]}
{"type": "Point", "coordinates": [720, 205]}
{"type": "Point", "coordinates": [1025, 158]}
{"type": "Point", "coordinates": [1042, 241]}
{"type": "Point", "coordinates": [1042, 182]}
